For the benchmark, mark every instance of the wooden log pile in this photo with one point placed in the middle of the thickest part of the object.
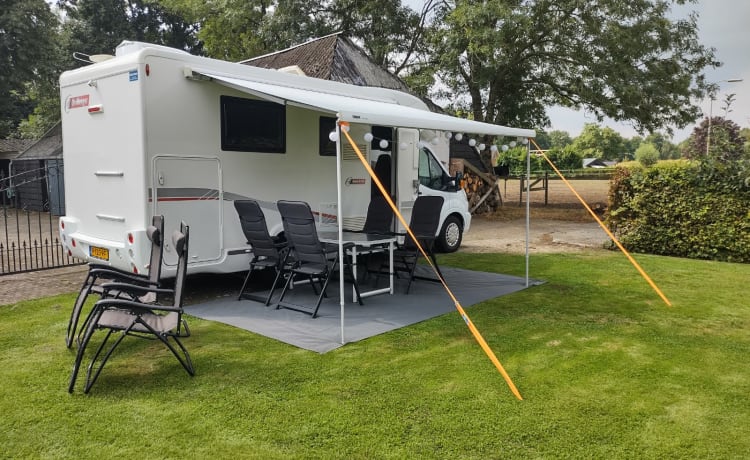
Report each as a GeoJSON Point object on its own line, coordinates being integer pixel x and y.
{"type": "Point", "coordinates": [482, 189]}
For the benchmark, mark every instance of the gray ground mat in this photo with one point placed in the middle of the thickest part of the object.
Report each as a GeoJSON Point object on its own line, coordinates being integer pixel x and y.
{"type": "Point", "coordinates": [379, 314]}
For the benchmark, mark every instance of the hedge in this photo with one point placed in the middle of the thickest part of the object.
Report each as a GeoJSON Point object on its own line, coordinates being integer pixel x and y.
{"type": "Point", "coordinates": [670, 209]}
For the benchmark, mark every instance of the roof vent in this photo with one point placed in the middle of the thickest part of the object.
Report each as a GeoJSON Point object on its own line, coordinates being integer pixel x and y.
{"type": "Point", "coordinates": [293, 69]}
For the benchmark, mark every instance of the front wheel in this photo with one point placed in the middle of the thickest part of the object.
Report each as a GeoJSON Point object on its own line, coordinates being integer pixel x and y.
{"type": "Point", "coordinates": [449, 239]}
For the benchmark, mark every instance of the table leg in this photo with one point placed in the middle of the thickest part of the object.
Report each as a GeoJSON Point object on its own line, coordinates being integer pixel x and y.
{"type": "Point", "coordinates": [390, 263]}
{"type": "Point", "coordinates": [354, 272]}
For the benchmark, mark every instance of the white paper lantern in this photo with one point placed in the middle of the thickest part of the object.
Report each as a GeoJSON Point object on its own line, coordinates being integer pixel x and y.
{"type": "Point", "coordinates": [383, 144]}
{"type": "Point", "coordinates": [345, 128]}
{"type": "Point", "coordinates": [459, 136]}
{"type": "Point", "coordinates": [472, 142]}
{"type": "Point", "coordinates": [448, 135]}
{"type": "Point", "coordinates": [512, 144]}
{"type": "Point", "coordinates": [368, 137]}
{"type": "Point", "coordinates": [402, 146]}
{"type": "Point", "coordinates": [493, 148]}
{"type": "Point", "coordinates": [435, 140]}
{"type": "Point", "coordinates": [333, 136]}
{"type": "Point", "coordinates": [482, 146]}
{"type": "Point", "coordinates": [505, 148]}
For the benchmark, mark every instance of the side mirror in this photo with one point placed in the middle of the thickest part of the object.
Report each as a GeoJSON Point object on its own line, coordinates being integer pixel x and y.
{"type": "Point", "coordinates": [459, 176]}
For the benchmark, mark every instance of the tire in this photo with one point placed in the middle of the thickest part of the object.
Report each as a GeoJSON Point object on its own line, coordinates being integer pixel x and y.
{"type": "Point", "coordinates": [451, 234]}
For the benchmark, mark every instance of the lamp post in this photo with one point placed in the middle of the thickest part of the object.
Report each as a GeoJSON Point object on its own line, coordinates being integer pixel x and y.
{"type": "Point", "coordinates": [712, 95]}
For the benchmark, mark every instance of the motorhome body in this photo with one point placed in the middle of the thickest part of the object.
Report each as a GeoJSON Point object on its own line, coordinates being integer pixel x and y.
{"type": "Point", "coordinates": [158, 131]}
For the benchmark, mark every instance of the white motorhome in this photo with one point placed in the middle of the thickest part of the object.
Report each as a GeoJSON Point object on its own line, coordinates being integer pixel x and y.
{"type": "Point", "coordinates": [155, 130]}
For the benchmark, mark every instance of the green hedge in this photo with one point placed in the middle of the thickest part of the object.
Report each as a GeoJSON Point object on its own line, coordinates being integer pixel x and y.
{"type": "Point", "coordinates": [670, 209]}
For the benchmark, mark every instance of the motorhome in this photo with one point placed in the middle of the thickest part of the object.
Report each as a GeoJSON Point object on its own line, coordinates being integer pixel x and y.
{"type": "Point", "coordinates": [155, 130]}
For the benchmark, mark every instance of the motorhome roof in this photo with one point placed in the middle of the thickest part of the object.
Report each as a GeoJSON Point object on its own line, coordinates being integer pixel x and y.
{"type": "Point", "coordinates": [357, 104]}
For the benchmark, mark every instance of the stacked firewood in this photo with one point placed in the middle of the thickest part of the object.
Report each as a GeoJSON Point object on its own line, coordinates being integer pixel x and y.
{"type": "Point", "coordinates": [481, 188]}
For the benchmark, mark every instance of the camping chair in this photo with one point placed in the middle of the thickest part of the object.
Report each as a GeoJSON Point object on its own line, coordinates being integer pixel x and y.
{"type": "Point", "coordinates": [313, 260]}
{"type": "Point", "coordinates": [131, 317]}
{"type": "Point", "coordinates": [379, 218]}
{"type": "Point", "coordinates": [379, 221]}
{"type": "Point", "coordinates": [267, 253]}
{"type": "Point", "coordinates": [424, 222]}
{"type": "Point", "coordinates": [103, 273]}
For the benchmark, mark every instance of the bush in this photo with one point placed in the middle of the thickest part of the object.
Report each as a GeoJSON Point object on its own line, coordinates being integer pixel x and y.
{"type": "Point", "coordinates": [671, 209]}
{"type": "Point", "coordinates": [647, 154]}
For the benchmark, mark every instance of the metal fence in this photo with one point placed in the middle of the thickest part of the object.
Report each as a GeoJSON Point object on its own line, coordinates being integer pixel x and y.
{"type": "Point", "coordinates": [31, 203]}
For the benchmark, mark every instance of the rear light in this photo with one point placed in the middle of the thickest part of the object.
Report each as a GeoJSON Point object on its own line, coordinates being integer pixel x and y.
{"type": "Point", "coordinates": [130, 238]}
{"type": "Point", "coordinates": [73, 242]}
{"type": "Point", "coordinates": [135, 269]}
{"type": "Point", "coordinates": [70, 253]}
{"type": "Point", "coordinates": [62, 224]}
{"type": "Point", "coordinates": [148, 70]}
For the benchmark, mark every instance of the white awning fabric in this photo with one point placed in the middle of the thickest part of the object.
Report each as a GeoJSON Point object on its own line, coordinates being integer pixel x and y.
{"type": "Point", "coordinates": [366, 110]}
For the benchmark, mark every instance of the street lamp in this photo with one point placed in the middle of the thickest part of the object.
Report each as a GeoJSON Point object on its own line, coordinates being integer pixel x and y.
{"type": "Point", "coordinates": [712, 95]}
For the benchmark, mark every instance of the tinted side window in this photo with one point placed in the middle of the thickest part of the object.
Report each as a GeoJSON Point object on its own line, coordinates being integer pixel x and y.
{"type": "Point", "coordinates": [327, 148]}
{"type": "Point", "coordinates": [249, 125]}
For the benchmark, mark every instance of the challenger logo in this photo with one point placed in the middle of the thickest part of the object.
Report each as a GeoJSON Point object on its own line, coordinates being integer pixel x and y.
{"type": "Point", "coordinates": [78, 101]}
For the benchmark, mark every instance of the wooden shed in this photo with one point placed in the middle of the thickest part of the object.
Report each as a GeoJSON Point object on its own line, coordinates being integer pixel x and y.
{"type": "Point", "coordinates": [37, 175]}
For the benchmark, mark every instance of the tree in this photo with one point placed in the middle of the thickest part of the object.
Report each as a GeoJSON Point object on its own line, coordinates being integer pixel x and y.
{"type": "Point", "coordinates": [726, 143]}
{"type": "Point", "coordinates": [508, 60]}
{"type": "Point", "coordinates": [98, 26]}
{"type": "Point", "coordinates": [560, 138]}
{"type": "Point", "coordinates": [667, 150]}
{"type": "Point", "coordinates": [647, 154]}
{"type": "Point", "coordinates": [631, 145]}
{"type": "Point", "coordinates": [597, 142]}
{"type": "Point", "coordinates": [27, 47]}
{"type": "Point", "coordinates": [391, 34]}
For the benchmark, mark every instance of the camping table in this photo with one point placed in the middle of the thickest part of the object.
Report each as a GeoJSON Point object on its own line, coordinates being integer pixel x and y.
{"type": "Point", "coordinates": [363, 241]}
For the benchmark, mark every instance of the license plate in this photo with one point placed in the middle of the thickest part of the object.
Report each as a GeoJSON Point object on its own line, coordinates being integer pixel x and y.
{"type": "Point", "coordinates": [99, 253]}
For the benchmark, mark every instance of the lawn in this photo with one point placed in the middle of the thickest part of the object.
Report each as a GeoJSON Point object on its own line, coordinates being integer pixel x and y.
{"type": "Point", "coordinates": [605, 368]}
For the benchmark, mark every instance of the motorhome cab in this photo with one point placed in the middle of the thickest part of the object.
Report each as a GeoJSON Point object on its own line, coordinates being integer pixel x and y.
{"type": "Point", "coordinates": [158, 131]}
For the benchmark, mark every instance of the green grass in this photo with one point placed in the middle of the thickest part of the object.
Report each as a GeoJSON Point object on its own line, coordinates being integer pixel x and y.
{"type": "Point", "coordinates": [605, 368]}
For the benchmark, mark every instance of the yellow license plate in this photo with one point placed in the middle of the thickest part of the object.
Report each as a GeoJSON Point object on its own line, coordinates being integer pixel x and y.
{"type": "Point", "coordinates": [99, 253]}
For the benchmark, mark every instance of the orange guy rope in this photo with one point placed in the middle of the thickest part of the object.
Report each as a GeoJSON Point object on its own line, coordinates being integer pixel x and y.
{"type": "Point", "coordinates": [601, 224]}
{"type": "Point", "coordinates": [482, 343]}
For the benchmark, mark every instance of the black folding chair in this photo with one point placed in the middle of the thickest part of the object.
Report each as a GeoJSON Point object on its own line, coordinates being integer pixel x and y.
{"type": "Point", "coordinates": [267, 252]}
{"type": "Point", "coordinates": [379, 221]}
{"type": "Point", "coordinates": [379, 218]}
{"type": "Point", "coordinates": [313, 260]}
{"type": "Point", "coordinates": [424, 222]}
{"type": "Point", "coordinates": [103, 273]}
{"type": "Point", "coordinates": [130, 317]}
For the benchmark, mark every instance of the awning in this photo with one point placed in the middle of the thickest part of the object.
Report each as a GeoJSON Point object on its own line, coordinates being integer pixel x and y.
{"type": "Point", "coordinates": [366, 110]}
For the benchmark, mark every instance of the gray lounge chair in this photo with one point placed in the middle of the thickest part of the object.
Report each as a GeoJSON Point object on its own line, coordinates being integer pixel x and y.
{"type": "Point", "coordinates": [133, 318]}
{"type": "Point", "coordinates": [99, 274]}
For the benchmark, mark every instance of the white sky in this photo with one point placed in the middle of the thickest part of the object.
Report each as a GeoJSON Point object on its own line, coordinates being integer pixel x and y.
{"type": "Point", "coordinates": [723, 25]}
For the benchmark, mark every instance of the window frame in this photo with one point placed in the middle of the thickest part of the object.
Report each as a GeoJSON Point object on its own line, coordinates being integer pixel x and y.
{"type": "Point", "coordinates": [268, 110]}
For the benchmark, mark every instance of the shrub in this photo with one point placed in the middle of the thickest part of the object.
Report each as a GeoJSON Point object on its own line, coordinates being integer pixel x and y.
{"type": "Point", "coordinates": [670, 209]}
{"type": "Point", "coordinates": [647, 154]}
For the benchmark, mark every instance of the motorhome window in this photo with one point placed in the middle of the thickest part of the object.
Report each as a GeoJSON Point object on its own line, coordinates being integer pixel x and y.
{"type": "Point", "coordinates": [249, 125]}
{"type": "Point", "coordinates": [430, 173]}
{"type": "Point", "coordinates": [379, 133]}
{"type": "Point", "coordinates": [327, 147]}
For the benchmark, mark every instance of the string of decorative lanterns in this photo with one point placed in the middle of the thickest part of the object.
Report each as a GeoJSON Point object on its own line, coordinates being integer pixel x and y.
{"type": "Point", "coordinates": [384, 143]}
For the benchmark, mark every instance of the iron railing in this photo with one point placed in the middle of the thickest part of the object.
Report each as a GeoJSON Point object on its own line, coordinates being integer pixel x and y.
{"type": "Point", "coordinates": [31, 202]}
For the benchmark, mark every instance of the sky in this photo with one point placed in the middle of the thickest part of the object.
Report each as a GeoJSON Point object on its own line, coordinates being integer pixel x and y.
{"type": "Point", "coordinates": [723, 25]}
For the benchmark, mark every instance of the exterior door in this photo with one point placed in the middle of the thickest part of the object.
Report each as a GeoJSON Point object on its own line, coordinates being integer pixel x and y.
{"type": "Point", "coordinates": [189, 190]}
